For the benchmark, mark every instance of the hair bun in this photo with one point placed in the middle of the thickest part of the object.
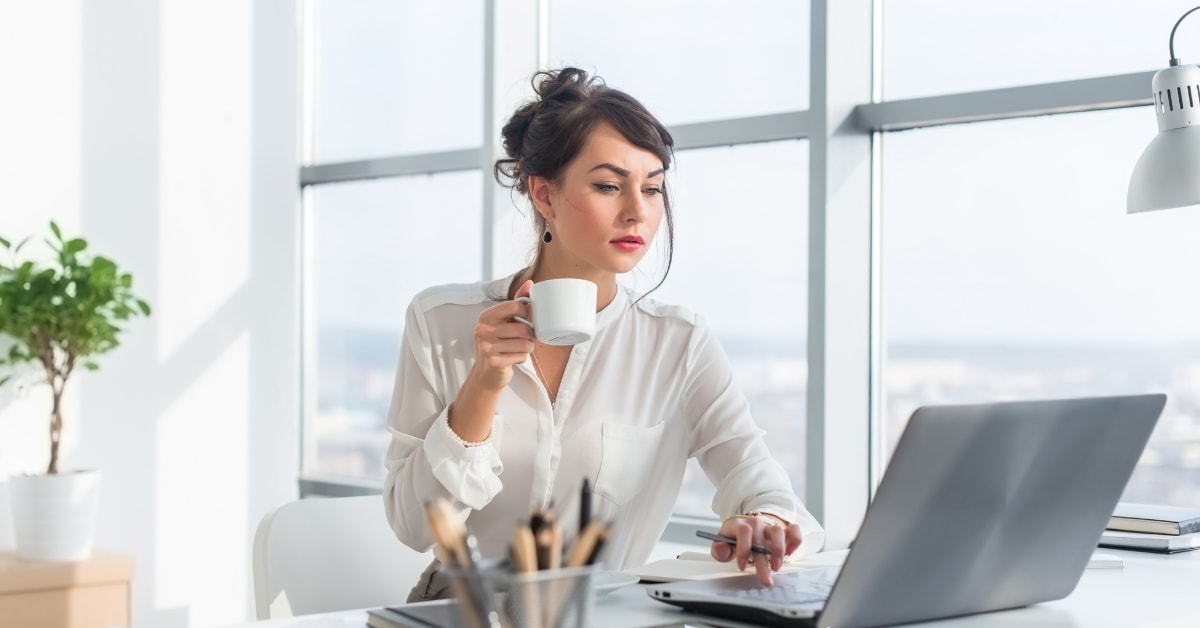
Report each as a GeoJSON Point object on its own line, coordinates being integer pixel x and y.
{"type": "Point", "coordinates": [555, 89]}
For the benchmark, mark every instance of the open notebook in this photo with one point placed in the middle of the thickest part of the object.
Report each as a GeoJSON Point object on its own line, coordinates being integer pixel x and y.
{"type": "Point", "coordinates": [983, 507]}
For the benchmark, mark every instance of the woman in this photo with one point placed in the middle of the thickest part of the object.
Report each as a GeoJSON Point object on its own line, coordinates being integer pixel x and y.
{"type": "Point", "coordinates": [499, 424]}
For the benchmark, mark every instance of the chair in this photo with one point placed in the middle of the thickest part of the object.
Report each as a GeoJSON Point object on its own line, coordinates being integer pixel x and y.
{"type": "Point", "coordinates": [319, 555]}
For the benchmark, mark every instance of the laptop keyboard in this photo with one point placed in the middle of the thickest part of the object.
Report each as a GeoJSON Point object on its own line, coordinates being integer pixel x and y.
{"type": "Point", "coordinates": [789, 588]}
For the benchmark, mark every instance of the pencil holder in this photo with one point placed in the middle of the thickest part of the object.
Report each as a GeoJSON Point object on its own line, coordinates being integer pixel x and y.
{"type": "Point", "coordinates": [552, 598]}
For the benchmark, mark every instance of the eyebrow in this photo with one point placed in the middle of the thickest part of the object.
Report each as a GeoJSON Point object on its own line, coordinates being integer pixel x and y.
{"type": "Point", "coordinates": [623, 172]}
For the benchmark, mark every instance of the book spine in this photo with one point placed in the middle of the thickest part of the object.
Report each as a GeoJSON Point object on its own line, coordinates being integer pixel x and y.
{"type": "Point", "coordinates": [1188, 527]}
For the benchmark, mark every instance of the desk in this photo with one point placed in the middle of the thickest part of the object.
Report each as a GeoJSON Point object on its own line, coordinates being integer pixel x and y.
{"type": "Point", "coordinates": [1151, 590]}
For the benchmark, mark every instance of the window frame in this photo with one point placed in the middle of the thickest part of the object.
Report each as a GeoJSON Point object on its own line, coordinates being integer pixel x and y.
{"type": "Point", "coordinates": [842, 126]}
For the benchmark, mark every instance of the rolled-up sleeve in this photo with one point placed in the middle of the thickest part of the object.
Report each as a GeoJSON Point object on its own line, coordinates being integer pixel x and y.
{"type": "Point", "coordinates": [731, 447]}
{"type": "Point", "coordinates": [423, 460]}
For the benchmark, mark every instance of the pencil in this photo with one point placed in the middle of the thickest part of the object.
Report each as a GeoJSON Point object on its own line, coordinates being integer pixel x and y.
{"type": "Point", "coordinates": [556, 546]}
{"type": "Point", "coordinates": [525, 561]}
{"type": "Point", "coordinates": [524, 549]}
{"type": "Point", "coordinates": [584, 548]}
{"type": "Point", "coordinates": [451, 543]}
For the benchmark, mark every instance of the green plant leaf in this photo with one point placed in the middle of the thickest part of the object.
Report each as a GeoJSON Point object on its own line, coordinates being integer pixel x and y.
{"type": "Point", "coordinates": [65, 311]}
{"type": "Point", "coordinates": [74, 245]}
{"type": "Point", "coordinates": [4, 380]}
{"type": "Point", "coordinates": [5, 243]}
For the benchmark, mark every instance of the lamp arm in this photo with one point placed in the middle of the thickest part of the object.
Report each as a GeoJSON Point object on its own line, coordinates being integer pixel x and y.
{"type": "Point", "coordinates": [1171, 44]}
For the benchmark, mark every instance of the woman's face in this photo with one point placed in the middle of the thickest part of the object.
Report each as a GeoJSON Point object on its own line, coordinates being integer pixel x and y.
{"type": "Point", "coordinates": [605, 210]}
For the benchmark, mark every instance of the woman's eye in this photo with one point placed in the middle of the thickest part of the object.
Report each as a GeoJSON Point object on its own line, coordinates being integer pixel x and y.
{"type": "Point", "coordinates": [653, 191]}
{"type": "Point", "coordinates": [605, 187]}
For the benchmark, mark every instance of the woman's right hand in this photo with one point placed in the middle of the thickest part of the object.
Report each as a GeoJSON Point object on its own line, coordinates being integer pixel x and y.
{"type": "Point", "coordinates": [502, 342]}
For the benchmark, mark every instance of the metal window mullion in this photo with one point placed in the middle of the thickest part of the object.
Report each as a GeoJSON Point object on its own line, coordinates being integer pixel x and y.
{"type": "Point", "coordinates": [791, 125]}
{"type": "Point", "coordinates": [398, 166]}
{"type": "Point", "coordinates": [1091, 94]}
{"type": "Point", "coordinates": [839, 302]}
{"type": "Point", "coordinates": [483, 158]}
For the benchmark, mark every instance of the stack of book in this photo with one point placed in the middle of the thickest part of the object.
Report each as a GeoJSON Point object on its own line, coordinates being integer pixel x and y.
{"type": "Point", "coordinates": [1153, 528]}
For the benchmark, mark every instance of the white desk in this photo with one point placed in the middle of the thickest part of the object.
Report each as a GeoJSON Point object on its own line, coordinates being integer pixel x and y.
{"type": "Point", "coordinates": [1151, 590]}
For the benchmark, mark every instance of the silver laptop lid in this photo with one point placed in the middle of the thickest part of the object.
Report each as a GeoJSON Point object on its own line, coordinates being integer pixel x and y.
{"type": "Point", "coordinates": [990, 506]}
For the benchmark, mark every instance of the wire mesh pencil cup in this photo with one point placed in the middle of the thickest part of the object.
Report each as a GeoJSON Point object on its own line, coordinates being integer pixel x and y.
{"type": "Point", "coordinates": [499, 598]}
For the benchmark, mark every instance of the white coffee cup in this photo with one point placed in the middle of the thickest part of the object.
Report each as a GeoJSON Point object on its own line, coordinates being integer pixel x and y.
{"type": "Point", "coordinates": [564, 310]}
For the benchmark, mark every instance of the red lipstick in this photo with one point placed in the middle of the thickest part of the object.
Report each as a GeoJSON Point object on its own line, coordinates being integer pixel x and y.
{"type": "Point", "coordinates": [631, 242]}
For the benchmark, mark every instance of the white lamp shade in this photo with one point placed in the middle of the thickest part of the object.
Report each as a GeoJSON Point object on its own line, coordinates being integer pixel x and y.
{"type": "Point", "coordinates": [1168, 173]}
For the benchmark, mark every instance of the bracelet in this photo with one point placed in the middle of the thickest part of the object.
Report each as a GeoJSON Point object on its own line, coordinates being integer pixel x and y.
{"type": "Point", "coordinates": [466, 443]}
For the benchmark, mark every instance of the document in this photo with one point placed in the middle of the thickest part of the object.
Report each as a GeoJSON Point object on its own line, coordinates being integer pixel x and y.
{"type": "Point", "coordinates": [702, 566]}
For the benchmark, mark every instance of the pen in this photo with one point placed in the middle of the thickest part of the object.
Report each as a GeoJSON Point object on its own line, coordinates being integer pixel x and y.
{"type": "Point", "coordinates": [585, 505]}
{"type": "Point", "coordinates": [721, 538]}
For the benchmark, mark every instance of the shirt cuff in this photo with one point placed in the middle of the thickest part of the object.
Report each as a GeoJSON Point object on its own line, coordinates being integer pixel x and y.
{"type": "Point", "coordinates": [470, 474]}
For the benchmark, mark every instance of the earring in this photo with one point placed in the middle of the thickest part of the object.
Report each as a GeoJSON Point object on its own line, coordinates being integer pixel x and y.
{"type": "Point", "coordinates": [547, 237]}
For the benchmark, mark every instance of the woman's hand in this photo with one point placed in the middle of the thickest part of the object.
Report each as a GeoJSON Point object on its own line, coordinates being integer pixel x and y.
{"type": "Point", "coordinates": [748, 530]}
{"type": "Point", "coordinates": [500, 343]}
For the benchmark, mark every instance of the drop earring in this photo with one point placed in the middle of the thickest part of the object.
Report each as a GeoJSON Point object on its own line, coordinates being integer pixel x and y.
{"type": "Point", "coordinates": [547, 237]}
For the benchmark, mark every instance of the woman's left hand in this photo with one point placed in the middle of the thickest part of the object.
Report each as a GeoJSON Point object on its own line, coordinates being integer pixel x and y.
{"type": "Point", "coordinates": [780, 540]}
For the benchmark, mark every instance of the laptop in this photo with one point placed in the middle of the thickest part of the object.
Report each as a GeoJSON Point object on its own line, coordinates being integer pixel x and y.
{"type": "Point", "coordinates": [983, 507]}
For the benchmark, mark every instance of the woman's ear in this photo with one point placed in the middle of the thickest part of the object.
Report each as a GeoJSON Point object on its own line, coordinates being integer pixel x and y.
{"type": "Point", "coordinates": [539, 193]}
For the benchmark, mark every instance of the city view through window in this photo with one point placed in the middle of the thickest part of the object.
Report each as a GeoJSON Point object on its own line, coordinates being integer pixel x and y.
{"type": "Point", "coordinates": [1008, 267]}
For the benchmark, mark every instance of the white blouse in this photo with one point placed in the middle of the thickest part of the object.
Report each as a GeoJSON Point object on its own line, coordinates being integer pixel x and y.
{"type": "Point", "coordinates": [650, 390]}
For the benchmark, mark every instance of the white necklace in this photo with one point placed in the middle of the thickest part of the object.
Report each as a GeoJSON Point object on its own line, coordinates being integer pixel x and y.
{"type": "Point", "coordinates": [553, 395]}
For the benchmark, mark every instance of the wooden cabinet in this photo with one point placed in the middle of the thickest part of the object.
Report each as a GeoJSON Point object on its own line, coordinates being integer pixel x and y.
{"type": "Point", "coordinates": [92, 593]}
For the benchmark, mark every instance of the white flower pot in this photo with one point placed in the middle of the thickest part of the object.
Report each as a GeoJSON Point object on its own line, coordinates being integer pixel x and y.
{"type": "Point", "coordinates": [54, 516]}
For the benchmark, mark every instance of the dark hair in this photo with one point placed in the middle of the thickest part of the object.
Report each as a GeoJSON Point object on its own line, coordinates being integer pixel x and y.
{"type": "Point", "coordinates": [545, 134]}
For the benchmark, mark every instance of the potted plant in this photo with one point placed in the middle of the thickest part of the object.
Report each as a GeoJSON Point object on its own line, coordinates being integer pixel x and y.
{"type": "Point", "coordinates": [58, 315]}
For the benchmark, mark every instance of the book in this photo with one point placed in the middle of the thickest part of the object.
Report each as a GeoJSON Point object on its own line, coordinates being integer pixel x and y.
{"type": "Point", "coordinates": [423, 615]}
{"type": "Point", "coordinates": [1162, 543]}
{"type": "Point", "coordinates": [1154, 519]}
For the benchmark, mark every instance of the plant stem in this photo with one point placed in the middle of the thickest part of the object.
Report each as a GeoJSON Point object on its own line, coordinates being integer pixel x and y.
{"type": "Point", "coordinates": [55, 430]}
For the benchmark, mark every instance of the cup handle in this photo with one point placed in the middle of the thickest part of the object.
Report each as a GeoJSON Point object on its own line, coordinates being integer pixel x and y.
{"type": "Point", "coordinates": [518, 318]}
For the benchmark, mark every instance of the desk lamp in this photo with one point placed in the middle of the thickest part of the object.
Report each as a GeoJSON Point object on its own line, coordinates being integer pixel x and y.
{"type": "Point", "coordinates": [1168, 172]}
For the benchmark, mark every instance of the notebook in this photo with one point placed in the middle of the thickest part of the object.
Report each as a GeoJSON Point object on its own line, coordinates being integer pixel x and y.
{"type": "Point", "coordinates": [983, 507]}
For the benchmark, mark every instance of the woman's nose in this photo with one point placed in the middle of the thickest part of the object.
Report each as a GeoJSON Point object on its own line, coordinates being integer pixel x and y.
{"type": "Point", "coordinates": [636, 209]}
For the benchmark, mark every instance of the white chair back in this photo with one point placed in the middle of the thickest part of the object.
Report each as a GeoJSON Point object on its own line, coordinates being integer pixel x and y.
{"type": "Point", "coordinates": [329, 554]}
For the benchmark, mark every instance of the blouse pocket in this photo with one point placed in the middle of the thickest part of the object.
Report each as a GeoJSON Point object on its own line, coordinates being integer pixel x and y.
{"type": "Point", "coordinates": [626, 460]}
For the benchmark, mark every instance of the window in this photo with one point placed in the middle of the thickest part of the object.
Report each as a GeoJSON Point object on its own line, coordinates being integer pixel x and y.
{"type": "Point", "coordinates": [1011, 271]}
{"type": "Point", "coordinates": [372, 96]}
{"type": "Point", "coordinates": [690, 60]}
{"type": "Point", "coordinates": [366, 109]}
{"type": "Point", "coordinates": [748, 281]}
{"type": "Point", "coordinates": [375, 244]}
{"type": "Point", "coordinates": [945, 46]}
{"type": "Point", "coordinates": [1007, 267]}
